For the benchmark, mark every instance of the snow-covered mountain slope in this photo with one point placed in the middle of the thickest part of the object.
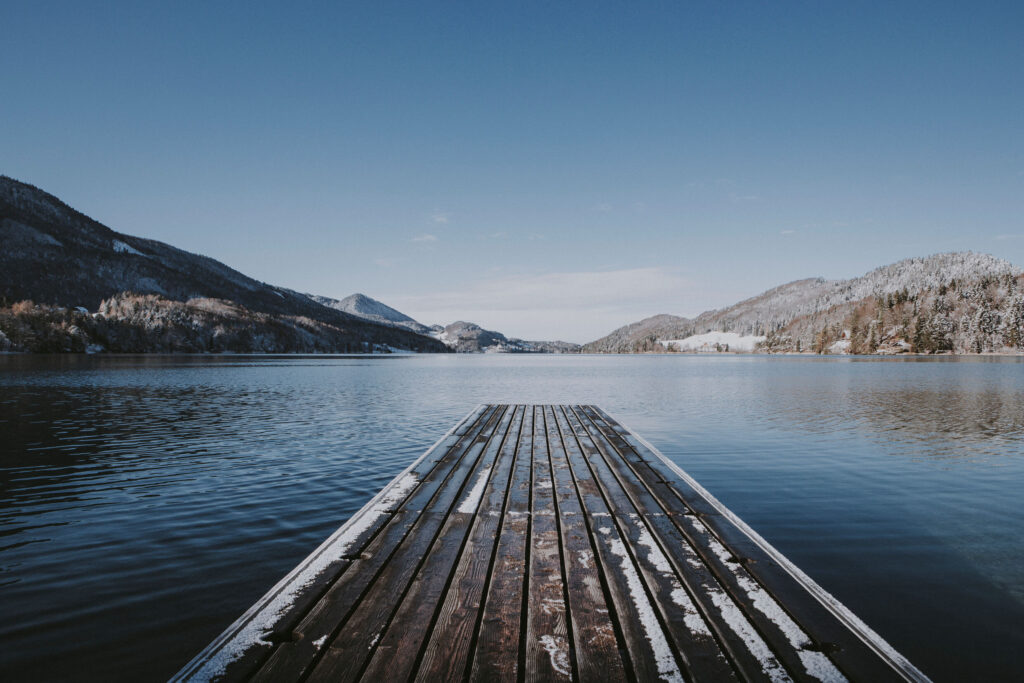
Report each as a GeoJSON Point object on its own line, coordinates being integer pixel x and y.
{"type": "Point", "coordinates": [460, 336]}
{"type": "Point", "coordinates": [466, 337]}
{"type": "Point", "coordinates": [370, 309]}
{"type": "Point", "coordinates": [775, 308]}
{"type": "Point", "coordinates": [53, 254]}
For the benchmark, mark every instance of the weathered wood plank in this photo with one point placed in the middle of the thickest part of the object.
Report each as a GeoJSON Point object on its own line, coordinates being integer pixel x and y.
{"type": "Point", "coordinates": [700, 654]}
{"type": "Point", "coordinates": [549, 654]}
{"type": "Point", "coordinates": [810, 641]}
{"type": "Point", "coordinates": [450, 635]}
{"type": "Point", "coordinates": [243, 647]}
{"type": "Point", "coordinates": [498, 648]}
{"type": "Point", "coordinates": [747, 649]}
{"type": "Point", "coordinates": [403, 541]}
{"type": "Point", "coordinates": [594, 640]}
{"type": "Point", "coordinates": [651, 656]}
{"type": "Point", "coordinates": [689, 546]}
{"type": "Point", "coordinates": [348, 652]}
{"type": "Point", "coordinates": [547, 543]}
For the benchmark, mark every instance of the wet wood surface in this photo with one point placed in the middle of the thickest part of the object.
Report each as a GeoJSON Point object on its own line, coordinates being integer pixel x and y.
{"type": "Point", "coordinates": [547, 542]}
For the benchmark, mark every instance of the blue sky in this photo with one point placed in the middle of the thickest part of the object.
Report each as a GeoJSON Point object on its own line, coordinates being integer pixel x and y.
{"type": "Point", "coordinates": [545, 169]}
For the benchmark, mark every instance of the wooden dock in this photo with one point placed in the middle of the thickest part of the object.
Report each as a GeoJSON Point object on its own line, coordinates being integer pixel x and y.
{"type": "Point", "coordinates": [547, 542]}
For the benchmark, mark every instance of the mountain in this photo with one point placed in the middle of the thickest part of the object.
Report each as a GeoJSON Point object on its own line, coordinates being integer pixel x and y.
{"type": "Point", "coordinates": [364, 307]}
{"type": "Point", "coordinates": [461, 337]}
{"type": "Point", "coordinates": [770, 312]}
{"type": "Point", "coordinates": [465, 337]}
{"type": "Point", "coordinates": [57, 256]}
{"type": "Point", "coordinates": [640, 336]}
{"type": "Point", "coordinates": [965, 315]}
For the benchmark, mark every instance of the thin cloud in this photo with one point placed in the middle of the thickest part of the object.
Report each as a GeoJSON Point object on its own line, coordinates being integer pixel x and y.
{"type": "Point", "coordinates": [388, 261]}
{"type": "Point", "coordinates": [787, 232]}
{"type": "Point", "coordinates": [603, 208]}
{"type": "Point", "coordinates": [441, 218]}
{"type": "Point", "coordinates": [558, 290]}
{"type": "Point", "coordinates": [425, 238]}
{"type": "Point", "coordinates": [577, 306]}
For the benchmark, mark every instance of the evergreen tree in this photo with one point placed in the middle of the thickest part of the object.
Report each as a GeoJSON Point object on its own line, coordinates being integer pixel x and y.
{"type": "Point", "coordinates": [1012, 326]}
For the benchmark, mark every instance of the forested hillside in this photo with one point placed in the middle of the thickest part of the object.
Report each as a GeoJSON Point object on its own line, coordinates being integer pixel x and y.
{"type": "Point", "coordinates": [814, 313]}
{"type": "Point", "coordinates": [63, 260]}
{"type": "Point", "coordinates": [973, 316]}
{"type": "Point", "coordinates": [149, 323]}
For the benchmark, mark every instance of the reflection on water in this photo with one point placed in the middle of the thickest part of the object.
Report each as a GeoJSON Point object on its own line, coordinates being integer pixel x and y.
{"type": "Point", "coordinates": [970, 419]}
{"type": "Point", "coordinates": [147, 501]}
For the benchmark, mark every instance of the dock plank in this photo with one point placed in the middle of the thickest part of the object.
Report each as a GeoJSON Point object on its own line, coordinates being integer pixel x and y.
{"type": "Point", "coordinates": [449, 648]}
{"type": "Point", "coordinates": [812, 627]}
{"type": "Point", "coordinates": [744, 644]}
{"type": "Point", "coordinates": [595, 643]}
{"type": "Point", "coordinates": [546, 542]}
{"type": "Point", "coordinates": [404, 539]}
{"type": "Point", "coordinates": [548, 645]}
{"type": "Point", "coordinates": [789, 647]}
{"type": "Point", "coordinates": [425, 611]}
{"type": "Point", "coordinates": [701, 656]}
{"type": "Point", "coordinates": [496, 656]}
{"type": "Point", "coordinates": [346, 654]}
{"type": "Point", "coordinates": [651, 656]}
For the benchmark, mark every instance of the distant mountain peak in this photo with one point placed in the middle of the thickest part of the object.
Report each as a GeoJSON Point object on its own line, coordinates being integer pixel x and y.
{"type": "Point", "coordinates": [460, 336]}
{"type": "Point", "coordinates": [368, 308]}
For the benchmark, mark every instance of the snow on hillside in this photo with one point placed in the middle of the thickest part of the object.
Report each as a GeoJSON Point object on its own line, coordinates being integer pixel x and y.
{"type": "Point", "coordinates": [125, 248]}
{"type": "Point", "coordinates": [52, 253]}
{"type": "Point", "coordinates": [770, 311]}
{"type": "Point", "coordinates": [912, 274]}
{"type": "Point", "coordinates": [360, 304]}
{"type": "Point", "coordinates": [462, 337]}
{"type": "Point", "coordinates": [715, 341]}
{"type": "Point", "coordinates": [368, 308]}
{"type": "Point", "coordinates": [777, 306]}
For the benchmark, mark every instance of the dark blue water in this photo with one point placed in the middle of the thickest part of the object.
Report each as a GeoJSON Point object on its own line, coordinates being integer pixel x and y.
{"type": "Point", "coordinates": [146, 502]}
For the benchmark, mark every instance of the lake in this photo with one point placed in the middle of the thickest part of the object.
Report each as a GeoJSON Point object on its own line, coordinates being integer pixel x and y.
{"type": "Point", "coordinates": [147, 501]}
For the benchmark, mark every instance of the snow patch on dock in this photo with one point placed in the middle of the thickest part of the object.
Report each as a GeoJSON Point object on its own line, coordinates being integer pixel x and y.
{"type": "Point", "coordinates": [558, 650]}
{"type": "Point", "coordinates": [691, 617]}
{"type": "Point", "coordinates": [755, 644]}
{"type": "Point", "coordinates": [663, 656]}
{"type": "Point", "coordinates": [399, 491]}
{"type": "Point", "coordinates": [737, 621]}
{"type": "Point", "coordinates": [552, 606]}
{"type": "Point", "coordinates": [585, 558]}
{"type": "Point", "coordinates": [472, 500]}
{"type": "Point", "coordinates": [816, 663]}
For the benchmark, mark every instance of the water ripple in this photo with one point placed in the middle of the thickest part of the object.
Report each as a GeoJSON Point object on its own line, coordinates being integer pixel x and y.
{"type": "Point", "coordinates": [147, 501]}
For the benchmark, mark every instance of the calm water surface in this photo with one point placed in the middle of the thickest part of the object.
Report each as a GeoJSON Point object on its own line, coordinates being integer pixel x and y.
{"type": "Point", "coordinates": [146, 502]}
